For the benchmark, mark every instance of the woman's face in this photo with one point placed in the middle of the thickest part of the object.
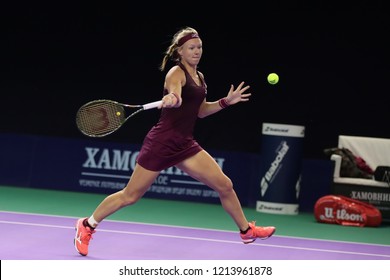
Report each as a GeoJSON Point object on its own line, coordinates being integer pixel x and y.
{"type": "Point", "coordinates": [191, 51]}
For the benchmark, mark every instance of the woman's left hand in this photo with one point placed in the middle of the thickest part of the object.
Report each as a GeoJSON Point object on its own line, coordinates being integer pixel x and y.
{"type": "Point", "coordinates": [238, 95]}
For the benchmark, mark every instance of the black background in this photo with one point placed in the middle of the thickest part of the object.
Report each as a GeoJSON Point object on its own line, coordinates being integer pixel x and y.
{"type": "Point", "coordinates": [332, 60]}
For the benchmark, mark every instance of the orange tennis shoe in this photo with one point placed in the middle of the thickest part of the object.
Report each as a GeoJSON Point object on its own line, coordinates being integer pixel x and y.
{"type": "Point", "coordinates": [82, 238]}
{"type": "Point", "coordinates": [255, 232]}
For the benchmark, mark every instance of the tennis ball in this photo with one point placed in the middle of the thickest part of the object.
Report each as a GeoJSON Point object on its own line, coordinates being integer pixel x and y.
{"type": "Point", "coordinates": [273, 78]}
{"type": "Point", "coordinates": [118, 113]}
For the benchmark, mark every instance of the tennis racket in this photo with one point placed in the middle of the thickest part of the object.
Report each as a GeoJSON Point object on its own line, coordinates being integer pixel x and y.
{"type": "Point", "coordinates": [101, 117]}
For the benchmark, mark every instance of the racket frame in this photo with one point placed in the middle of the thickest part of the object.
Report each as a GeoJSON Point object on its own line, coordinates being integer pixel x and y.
{"type": "Point", "coordinates": [83, 129]}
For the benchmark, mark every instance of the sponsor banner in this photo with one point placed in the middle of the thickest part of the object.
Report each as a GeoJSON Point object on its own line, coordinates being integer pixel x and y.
{"type": "Point", "coordinates": [283, 130]}
{"type": "Point", "coordinates": [93, 166]}
{"type": "Point", "coordinates": [276, 208]}
{"type": "Point", "coordinates": [96, 166]}
{"type": "Point", "coordinates": [16, 159]}
{"type": "Point", "coordinates": [376, 196]}
{"type": "Point", "coordinates": [280, 167]}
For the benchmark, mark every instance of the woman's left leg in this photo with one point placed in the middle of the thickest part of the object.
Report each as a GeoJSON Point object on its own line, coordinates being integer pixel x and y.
{"type": "Point", "coordinates": [205, 169]}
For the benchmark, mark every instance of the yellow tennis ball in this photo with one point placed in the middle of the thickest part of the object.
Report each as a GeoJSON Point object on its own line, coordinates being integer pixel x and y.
{"type": "Point", "coordinates": [118, 113]}
{"type": "Point", "coordinates": [273, 78]}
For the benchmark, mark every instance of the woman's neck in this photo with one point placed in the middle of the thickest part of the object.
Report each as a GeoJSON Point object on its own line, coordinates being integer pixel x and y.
{"type": "Point", "coordinates": [191, 69]}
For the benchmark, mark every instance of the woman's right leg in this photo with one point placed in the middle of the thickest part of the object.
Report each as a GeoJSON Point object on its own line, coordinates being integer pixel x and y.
{"type": "Point", "coordinates": [139, 182]}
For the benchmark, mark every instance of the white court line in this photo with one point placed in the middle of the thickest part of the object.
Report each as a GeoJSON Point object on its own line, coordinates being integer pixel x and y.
{"type": "Point", "coordinates": [202, 239]}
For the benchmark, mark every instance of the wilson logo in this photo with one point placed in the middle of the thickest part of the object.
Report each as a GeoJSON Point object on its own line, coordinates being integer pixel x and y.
{"type": "Point", "coordinates": [341, 214]}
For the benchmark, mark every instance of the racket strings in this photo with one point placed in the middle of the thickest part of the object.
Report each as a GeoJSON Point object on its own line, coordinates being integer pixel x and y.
{"type": "Point", "coordinates": [100, 118]}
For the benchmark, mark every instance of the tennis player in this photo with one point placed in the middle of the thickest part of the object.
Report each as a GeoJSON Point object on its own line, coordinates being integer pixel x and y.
{"type": "Point", "coordinates": [171, 143]}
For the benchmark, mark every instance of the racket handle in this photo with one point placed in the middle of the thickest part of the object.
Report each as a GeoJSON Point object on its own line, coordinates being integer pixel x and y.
{"type": "Point", "coordinates": [152, 105]}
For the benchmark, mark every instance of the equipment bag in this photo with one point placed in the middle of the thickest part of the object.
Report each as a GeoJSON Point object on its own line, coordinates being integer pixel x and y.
{"type": "Point", "coordinates": [338, 209]}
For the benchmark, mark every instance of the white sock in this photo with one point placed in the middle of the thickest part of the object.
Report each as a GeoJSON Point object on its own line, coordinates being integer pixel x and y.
{"type": "Point", "coordinates": [92, 222]}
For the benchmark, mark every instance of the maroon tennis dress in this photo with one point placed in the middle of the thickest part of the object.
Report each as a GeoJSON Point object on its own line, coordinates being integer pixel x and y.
{"type": "Point", "coordinates": [171, 140]}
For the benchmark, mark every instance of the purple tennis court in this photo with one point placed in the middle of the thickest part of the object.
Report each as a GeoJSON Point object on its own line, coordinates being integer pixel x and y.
{"type": "Point", "coordinates": [45, 237]}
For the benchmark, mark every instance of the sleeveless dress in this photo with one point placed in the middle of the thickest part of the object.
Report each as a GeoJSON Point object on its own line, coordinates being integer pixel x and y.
{"type": "Point", "coordinates": [171, 140]}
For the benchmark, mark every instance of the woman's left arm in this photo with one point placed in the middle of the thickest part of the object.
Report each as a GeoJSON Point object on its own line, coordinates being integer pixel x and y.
{"type": "Point", "coordinates": [233, 97]}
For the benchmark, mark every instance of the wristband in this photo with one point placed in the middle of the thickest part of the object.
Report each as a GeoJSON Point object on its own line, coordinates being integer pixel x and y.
{"type": "Point", "coordinates": [222, 102]}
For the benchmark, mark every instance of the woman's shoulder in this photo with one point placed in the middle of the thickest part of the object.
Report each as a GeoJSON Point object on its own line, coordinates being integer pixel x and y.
{"type": "Point", "coordinates": [175, 70]}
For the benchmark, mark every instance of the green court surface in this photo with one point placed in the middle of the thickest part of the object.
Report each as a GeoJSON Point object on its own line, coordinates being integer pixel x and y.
{"type": "Point", "coordinates": [179, 213]}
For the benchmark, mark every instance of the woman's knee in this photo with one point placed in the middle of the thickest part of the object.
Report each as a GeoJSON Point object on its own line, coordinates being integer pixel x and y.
{"type": "Point", "coordinates": [226, 186]}
{"type": "Point", "coordinates": [129, 198]}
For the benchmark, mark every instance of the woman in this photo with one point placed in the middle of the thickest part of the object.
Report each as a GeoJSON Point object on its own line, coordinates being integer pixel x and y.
{"type": "Point", "coordinates": [170, 142]}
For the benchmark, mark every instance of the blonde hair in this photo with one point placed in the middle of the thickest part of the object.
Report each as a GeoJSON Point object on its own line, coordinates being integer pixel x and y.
{"type": "Point", "coordinates": [171, 52]}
